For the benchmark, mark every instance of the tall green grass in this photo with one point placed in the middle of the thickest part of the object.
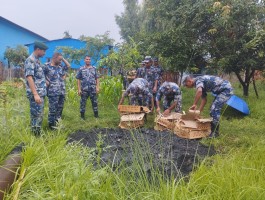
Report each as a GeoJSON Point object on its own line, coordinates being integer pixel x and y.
{"type": "Point", "coordinates": [54, 170]}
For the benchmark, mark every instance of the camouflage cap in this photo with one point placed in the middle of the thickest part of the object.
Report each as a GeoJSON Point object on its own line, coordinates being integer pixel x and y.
{"type": "Point", "coordinates": [40, 45]}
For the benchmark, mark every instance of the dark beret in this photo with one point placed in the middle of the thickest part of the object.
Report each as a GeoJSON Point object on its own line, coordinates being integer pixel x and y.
{"type": "Point", "coordinates": [40, 45]}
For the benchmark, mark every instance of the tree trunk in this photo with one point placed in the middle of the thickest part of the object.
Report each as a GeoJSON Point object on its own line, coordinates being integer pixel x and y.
{"type": "Point", "coordinates": [245, 83]}
{"type": "Point", "coordinates": [245, 89]}
{"type": "Point", "coordinates": [180, 78]}
{"type": "Point", "coordinates": [255, 88]}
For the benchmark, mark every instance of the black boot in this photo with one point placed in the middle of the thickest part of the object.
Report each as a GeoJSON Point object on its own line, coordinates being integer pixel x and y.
{"type": "Point", "coordinates": [82, 115]}
{"type": "Point", "coordinates": [96, 114]}
{"type": "Point", "coordinates": [36, 131]}
{"type": "Point", "coordinates": [214, 130]}
{"type": "Point", "coordinates": [52, 125]}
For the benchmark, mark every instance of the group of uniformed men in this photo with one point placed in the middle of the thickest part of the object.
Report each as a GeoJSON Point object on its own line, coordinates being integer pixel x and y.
{"type": "Point", "coordinates": [146, 89]}
{"type": "Point", "coordinates": [48, 80]}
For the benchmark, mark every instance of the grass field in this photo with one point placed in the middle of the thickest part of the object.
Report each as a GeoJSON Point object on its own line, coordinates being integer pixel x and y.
{"type": "Point", "coordinates": [54, 170]}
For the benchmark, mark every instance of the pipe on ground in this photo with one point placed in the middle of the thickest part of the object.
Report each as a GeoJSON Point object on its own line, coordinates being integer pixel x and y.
{"type": "Point", "coordinates": [9, 173]}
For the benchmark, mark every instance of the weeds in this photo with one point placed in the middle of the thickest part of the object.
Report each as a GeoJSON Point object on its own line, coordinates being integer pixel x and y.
{"type": "Point", "coordinates": [54, 170]}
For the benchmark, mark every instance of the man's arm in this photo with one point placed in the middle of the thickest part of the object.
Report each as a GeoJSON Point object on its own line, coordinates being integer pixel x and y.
{"type": "Point", "coordinates": [33, 89]}
{"type": "Point", "coordinates": [156, 82]}
{"type": "Point", "coordinates": [121, 100]}
{"type": "Point", "coordinates": [66, 63]}
{"type": "Point", "coordinates": [126, 93]}
{"type": "Point", "coordinates": [157, 99]}
{"type": "Point", "coordinates": [203, 103]}
{"type": "Point", "coordinates": [158, 106]}
{"type": "Point", "coordinates": [152, 104]}
{"type": "Point", "coordinates": [45, 71]}
{"type": "Point", "coordinates": [167, 111]}
{"type": "Point", "coordinates": [79, 87]}
{"type": "Point", "coordinates": [196, 99]}
{"type": "Point", "coordinates": [97, 87]}
{"type": "Point", "coordinates": [155, 86]}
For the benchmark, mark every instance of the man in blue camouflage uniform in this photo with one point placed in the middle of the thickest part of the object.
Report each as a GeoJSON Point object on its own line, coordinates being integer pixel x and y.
{"type": "Point", "coordinates": [159, 71]}
{"type": "Point", "coordinates": [88, 86]}
{"type": "Point", "coordinates": [55, 74]}
{"type": "Point", "coordinates": [222, 90]}
{"type": "Point", "coordinates": [36, 86]}
{"type": "Point", "coordinates": [148, 73]}
{"type": "Point", "coordinates": [171, 92]}
{"type": "Point", "coordinates": [139, 93]}
{"type": "Point", "coordinates": [63, 73]}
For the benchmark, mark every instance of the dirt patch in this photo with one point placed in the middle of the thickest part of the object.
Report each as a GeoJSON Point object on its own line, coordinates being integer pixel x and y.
{"type": "Point", "coordinates": [151, 149]}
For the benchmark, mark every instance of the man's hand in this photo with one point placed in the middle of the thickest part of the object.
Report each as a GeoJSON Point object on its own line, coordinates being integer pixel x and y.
{"type": "Point", "coordinates": [158, 110]}
{"type": "Point", "coordinates": [37, 99]}
{"type": "Point", "coordinates": [154, 89]}
{"type": "Point", "coordinates": [97, 90]}
{"type": "Point", "coordinates": [166, 112]}
{"type": "Point", "coordinates": [79, 92]}
{"type": "Point", "coordinates": [193, 107]}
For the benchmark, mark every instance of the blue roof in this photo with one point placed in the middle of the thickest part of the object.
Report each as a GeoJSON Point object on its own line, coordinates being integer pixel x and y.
{"type": "Point", "coordinates": [20, 27]}
{"type": "Point", "coordinates": [13, 35]}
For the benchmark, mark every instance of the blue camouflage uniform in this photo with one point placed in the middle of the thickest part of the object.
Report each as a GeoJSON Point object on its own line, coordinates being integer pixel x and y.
{"type": "Point", "coordinates": [140, 94]}
{"type": "Point", "coordinates": [34, 68]}
{"type": "Point", "coordinates": [63, 73]}
{"type": "Point", "coordinates": [55, 91]}
{"type": "Point", "coordinates": [148, 74]}
{"type": "Point", "coordinates": [88, 78]}
{"type": "Point", "coordinates": [219, 87]}
{"type": "Point", "coordinates": [171, 92]}
{"type": "Point", "coordinates": [159, 71]}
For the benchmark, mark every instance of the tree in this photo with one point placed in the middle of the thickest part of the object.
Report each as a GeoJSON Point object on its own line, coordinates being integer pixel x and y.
{"type": "Point", "coordinates": [16, 56]}
{"type": "Point", "coordinates": [129, 21]}
{"type": "Point", "coordinates": [171, 34]}
{"type": "Point", "coordinates": [93, 48]}
{"type": "Point", "coordinates": [123, 58]}
{"type": "Point", "coordinates": [236, 38]}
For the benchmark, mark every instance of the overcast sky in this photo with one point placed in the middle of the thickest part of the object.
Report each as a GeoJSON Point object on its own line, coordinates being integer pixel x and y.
{"type": "Point", "coordinates": [51, 18]}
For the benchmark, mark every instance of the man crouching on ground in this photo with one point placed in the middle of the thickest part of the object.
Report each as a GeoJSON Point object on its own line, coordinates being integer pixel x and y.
{"type": "Point", "coordinates": [171, 92]}
{"type": "Point", "coordinates": [139, 93]}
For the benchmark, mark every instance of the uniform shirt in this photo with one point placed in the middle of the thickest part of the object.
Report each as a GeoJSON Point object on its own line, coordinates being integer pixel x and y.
{"type": "Point", "coordinates": [212, 84]}
{"type": "Point", "coordinates": [139, 86]}
{"type": "Point", "coordinates": [88, 77]}
{"type": "Point", "coordinates": [62, 73]}
{"type": "Point", "coordinates": [54, 75]}
{"type": "Point", "coordinates": [148, 74]}
{"type": "Point", "coordinates": [159, 71]}
{"type": "Point", "coordinates": [170, 90]}
{"type": "Point", "coordinates": [34, 68]}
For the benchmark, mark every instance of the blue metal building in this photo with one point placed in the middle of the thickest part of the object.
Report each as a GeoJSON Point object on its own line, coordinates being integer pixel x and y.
{"type": "Point", "coordinates": [12, 35]}
{"type": "Point", "coordinates": [68, 42]}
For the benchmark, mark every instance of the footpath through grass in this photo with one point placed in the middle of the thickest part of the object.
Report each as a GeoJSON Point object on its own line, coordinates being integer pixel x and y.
{"type": "Point", "coordinates": [54, 170]}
